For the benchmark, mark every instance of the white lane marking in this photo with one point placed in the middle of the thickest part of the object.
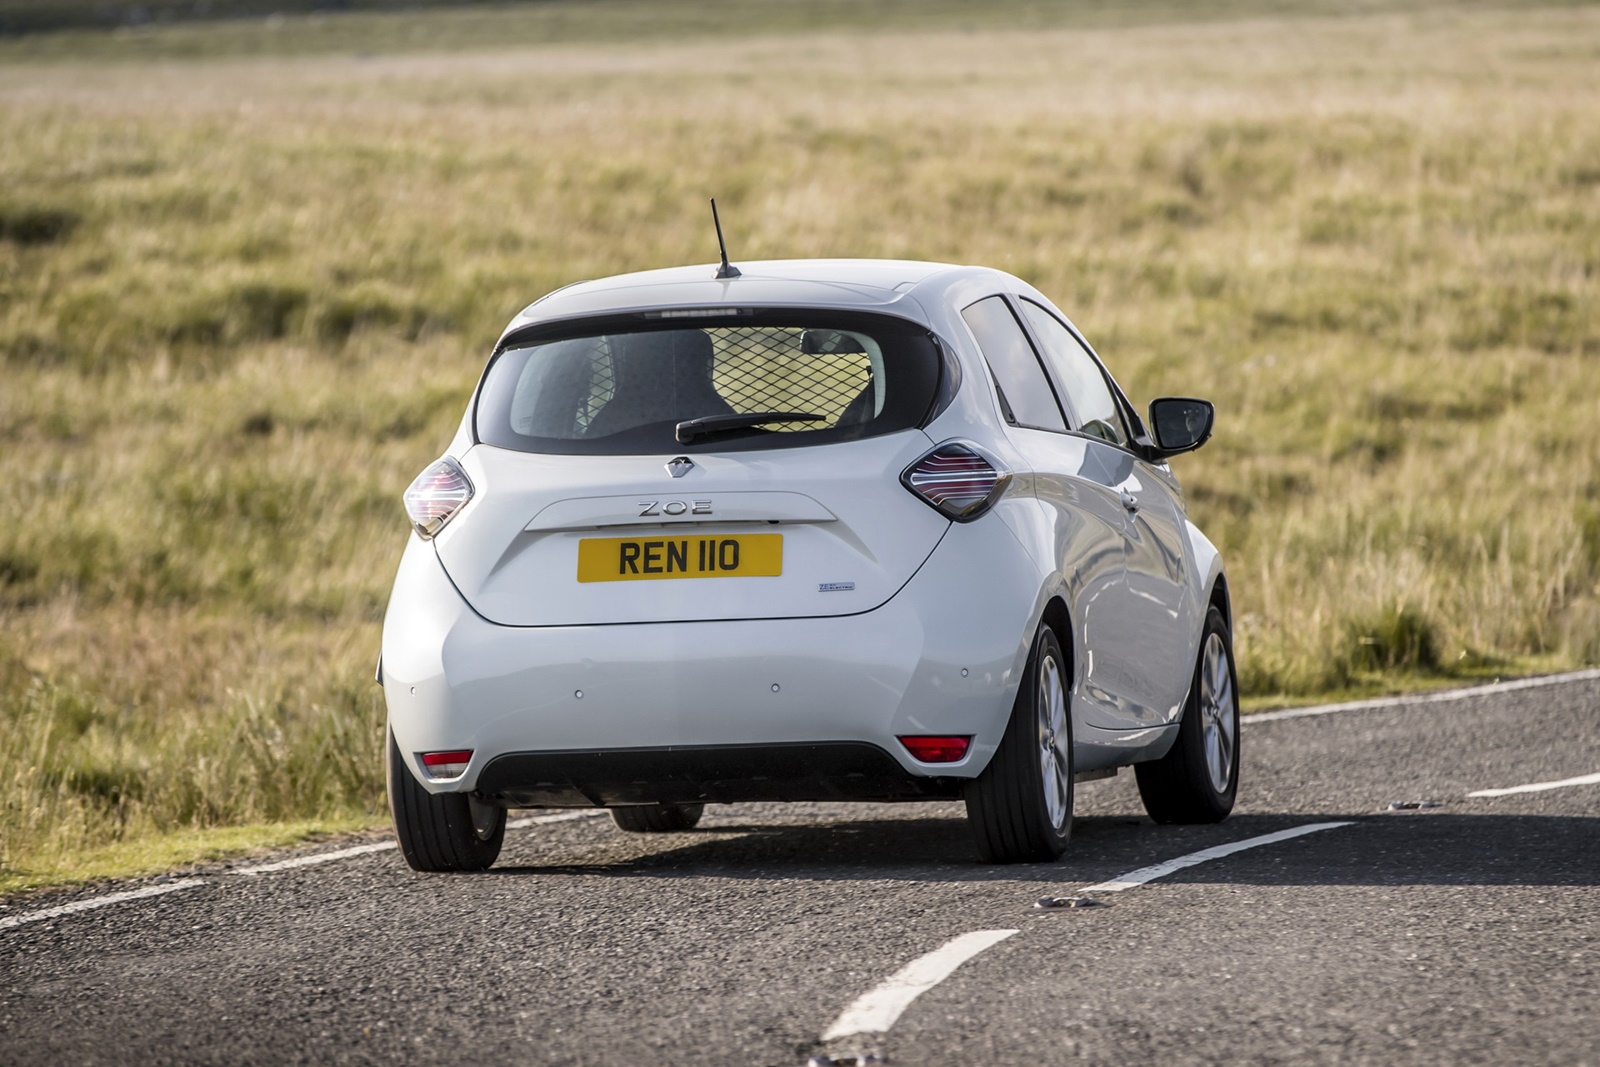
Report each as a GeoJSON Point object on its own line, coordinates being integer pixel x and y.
{"type": "Point", "coordinates": [8, 922]}
{"type": "Point", "coordinates": [875, 1012]}
{"type": "Point", "coordinates": [1539, 787]}
{"type": "Point", "coordinates": [545, 820]}
{"type": "Point", "coordinates": [321, 857]}
{"type": "Point", "coordinates": [99, 902]}
{"type": "Point", "coordinates": [384, 846]}
{"type": "Point", "coordinates": [1161, 870]}
{"type": "Point", "coordinates": [1442, 697]}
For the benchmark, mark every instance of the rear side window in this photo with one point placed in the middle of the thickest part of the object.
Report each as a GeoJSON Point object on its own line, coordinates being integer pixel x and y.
{"type": "Point", "coordinates": [624, 386]}
{"type": "Point", "coordinates": [1016, 368]}
{"type": "Point", "coordinates": [1079, 375]}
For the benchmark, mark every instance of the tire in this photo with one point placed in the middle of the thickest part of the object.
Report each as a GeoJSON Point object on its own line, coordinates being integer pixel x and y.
{"type": "Point", "coordinates": [1020, 807]}
{"type": "Point", "coordinates": [1197, 780]}
{"type": "Point", "coordinates": [657, 818]}
{"type": "Point", "coordinates": [435, 830]}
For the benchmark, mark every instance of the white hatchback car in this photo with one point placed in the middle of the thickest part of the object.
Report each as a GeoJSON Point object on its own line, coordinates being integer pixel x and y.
{"type": "Point", "coordinates": [823, 530]}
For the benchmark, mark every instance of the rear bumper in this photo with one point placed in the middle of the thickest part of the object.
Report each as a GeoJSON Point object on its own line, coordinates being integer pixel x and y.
{"type": "Point", "coordinates": [555, 710]}
{"type": "Point", "coordinates": [717, 774]}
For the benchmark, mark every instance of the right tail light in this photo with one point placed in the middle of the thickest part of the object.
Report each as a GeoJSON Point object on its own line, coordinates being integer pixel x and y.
{"type": "Point", "coordinates": [957, 480]}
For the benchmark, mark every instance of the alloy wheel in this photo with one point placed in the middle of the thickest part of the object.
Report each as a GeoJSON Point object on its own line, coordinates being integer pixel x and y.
{"type": "Point", "coordinates": [1217, 713]}
{"type": "Point", "coordinates": [1055, 742]}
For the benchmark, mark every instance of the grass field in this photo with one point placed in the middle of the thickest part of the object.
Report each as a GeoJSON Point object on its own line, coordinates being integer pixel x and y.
{"type": "Point", "coordinates": [245, 290]}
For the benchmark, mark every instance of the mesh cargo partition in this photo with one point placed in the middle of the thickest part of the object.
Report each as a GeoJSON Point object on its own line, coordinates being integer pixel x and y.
{"type": "Point", "coordinates": [768, 369]}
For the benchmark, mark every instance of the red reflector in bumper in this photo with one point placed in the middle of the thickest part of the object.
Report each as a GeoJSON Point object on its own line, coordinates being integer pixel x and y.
{"type": "Point", "coordinates": [447, 764]}
{"type": "Point", "coordinates": [936, 749]}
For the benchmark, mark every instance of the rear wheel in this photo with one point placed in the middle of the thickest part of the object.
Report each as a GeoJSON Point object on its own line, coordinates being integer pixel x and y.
{"type": "Point", "coordinates": [1020, 807]}
{"type": "Point", "coordinates": [657, 818]}
{"type": "Point", "coordinates": [441, 831]}
{"type": "Point", "coordinates": [1198, 779]}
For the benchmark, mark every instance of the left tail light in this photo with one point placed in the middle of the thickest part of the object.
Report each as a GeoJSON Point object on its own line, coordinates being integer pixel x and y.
{"type": "Point", "coordinates": [436, 495]}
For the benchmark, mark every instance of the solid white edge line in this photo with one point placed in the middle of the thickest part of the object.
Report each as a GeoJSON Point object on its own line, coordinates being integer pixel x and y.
{"type": "Point", "coordinates": [1442, 697]}
{"type": "Point", "coordinates": [8, 922]}
{"type": "Point", "coordinates": [1161, 870]}
{"type": "Point", "coordinates": [320, 857]}
{"type": "Point", "coordinates": [384, 846]}
{"type": "Point", "coordinates": [876, 1011]}
{"type": "Point", "coordinates": [99, 902]}
{"type": "Point", "coordinates": [1539, 787]}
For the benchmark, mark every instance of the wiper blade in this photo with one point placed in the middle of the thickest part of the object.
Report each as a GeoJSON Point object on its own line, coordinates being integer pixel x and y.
{"type": "Point", "coordinates": [689, 429]}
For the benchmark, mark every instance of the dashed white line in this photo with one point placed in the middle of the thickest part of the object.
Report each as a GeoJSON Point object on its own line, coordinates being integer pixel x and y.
{"type": "Point", "coordinates": [1443, 697]}
{"type": "Point", "coordinates": [1161, 870]}
{"type": "Point", "coordinates": [876, 1011]}
{"type": "Point", "coordinates": [99, 902]}
{"type": "Point", "coordinates": [1539, 787]}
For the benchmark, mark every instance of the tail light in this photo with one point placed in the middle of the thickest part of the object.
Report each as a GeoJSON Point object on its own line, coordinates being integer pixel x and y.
{"type": "Point", "coordinates": [937, 749]}
{"type": "Point", "coordinates": [436, 495]}
{"type": "Point", "coordinates": [957, 480]}
{"type": "Point", "coordinates": [447, 764]}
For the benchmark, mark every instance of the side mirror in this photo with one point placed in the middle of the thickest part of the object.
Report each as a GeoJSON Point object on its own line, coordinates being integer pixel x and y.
{"type": "Point", "coordinates": [1180, 424]}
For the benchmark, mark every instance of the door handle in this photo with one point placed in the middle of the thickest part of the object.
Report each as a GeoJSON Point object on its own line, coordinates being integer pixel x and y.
{"type": "Point", "coordinates": [1130, 501]}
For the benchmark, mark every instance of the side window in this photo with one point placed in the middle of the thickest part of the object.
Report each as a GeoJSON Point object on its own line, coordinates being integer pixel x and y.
{"type": "Point", "coordinates": [1079, 375]}
{"type": "Point", "coordinates": [1016, 368]}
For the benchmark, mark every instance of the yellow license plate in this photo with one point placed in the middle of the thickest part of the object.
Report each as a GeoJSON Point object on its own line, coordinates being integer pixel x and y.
{"type": "Point", "coordinates": [622, 559]}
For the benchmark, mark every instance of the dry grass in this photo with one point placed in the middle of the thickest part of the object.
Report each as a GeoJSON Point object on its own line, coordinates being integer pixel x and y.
{"type": "Point", "coordinates": [242, 301]}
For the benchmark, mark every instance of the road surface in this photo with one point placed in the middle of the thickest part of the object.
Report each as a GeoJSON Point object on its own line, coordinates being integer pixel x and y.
{"type": "Point", "coordinates": [1462, 933]}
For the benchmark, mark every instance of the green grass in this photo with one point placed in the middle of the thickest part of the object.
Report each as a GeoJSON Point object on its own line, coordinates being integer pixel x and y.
{"type": "Point", "coordinates": [243, 301]}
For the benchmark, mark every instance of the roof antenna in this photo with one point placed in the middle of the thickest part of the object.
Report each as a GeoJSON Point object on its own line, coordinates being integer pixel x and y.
{"type": "Point", "coordinates": [727, 270]}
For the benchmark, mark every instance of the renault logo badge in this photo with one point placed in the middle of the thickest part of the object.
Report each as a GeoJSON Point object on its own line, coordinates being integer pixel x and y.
{"type": "Point", "coordinates": [680, 466]}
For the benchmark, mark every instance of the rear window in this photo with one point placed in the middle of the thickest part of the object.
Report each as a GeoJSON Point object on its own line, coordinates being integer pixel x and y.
{"type": "Point", "coordinates": [624, 386]}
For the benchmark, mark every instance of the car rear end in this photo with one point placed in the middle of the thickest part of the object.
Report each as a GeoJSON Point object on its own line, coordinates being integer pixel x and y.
{"type": "Point", "coordinates": [702, 552]}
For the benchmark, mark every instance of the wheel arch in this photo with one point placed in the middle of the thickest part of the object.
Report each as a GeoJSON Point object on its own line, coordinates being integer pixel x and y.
{"type": "Point", "coordinates": [1220, 599]}
{"type": "Point", "coordinates": [1213, 586]}
{"type": "Point", "coordinates": [1058, 618]}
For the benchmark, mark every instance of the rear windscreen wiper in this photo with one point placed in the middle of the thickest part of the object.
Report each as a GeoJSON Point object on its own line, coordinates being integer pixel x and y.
{"type": "Point", "coordinates": [689, 429]}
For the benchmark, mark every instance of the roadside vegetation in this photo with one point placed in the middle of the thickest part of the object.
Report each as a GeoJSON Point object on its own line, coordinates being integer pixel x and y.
{"type": "Point", "coordinates": [243, 301]}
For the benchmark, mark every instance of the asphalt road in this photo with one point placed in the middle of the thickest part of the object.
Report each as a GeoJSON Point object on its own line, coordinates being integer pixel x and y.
{"type": "Point", "coordinates": [1458, 934]}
